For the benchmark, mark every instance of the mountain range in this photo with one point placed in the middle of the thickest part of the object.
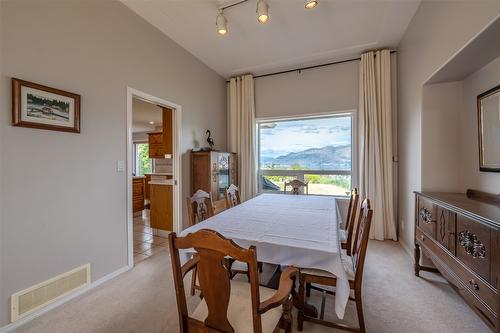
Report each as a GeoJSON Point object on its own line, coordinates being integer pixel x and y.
{"type": "Point", "coordinates": [324, 158]}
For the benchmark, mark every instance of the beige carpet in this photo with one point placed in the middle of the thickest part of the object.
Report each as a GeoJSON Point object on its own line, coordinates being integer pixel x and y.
{"type": "Point", "coordinates": [143, 300]}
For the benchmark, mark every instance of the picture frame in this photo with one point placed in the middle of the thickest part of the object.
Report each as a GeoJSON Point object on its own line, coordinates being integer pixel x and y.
{"type": "Point", "coordinates": [38, 106]}
{"type": "Point", "coordinates": [488, 112]}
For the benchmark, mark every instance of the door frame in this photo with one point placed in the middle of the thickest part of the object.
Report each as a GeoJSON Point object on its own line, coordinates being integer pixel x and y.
{"type": "Point", "coordinates": [176, 163]}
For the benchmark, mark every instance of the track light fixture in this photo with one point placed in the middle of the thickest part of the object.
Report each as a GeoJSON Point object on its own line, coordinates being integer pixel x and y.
{"type": "Point", "coordinates": [310, 4]}
{"type": "Point", "coordinates": [262, 11]}
{"type": "Point", "coordinates": [221, 23]}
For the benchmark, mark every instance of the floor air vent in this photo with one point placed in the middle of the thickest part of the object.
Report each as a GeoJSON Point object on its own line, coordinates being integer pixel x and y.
{"type": "Point", "coordinates": [31, 299]}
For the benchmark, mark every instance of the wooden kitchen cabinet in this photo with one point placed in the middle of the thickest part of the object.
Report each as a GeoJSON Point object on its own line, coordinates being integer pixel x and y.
{"type": "Point", "coordinates": [161, 213]}
{"type": "Point", "coordinates": [156, 147]}
{"type": "Point", "coordinates": [138, 194]}
{"type": "Point", "coordinates": [161, 143]}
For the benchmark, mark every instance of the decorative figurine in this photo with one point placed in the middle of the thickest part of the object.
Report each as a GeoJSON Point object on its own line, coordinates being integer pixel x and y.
{"type": "Point", "coordinates": [210, 140]}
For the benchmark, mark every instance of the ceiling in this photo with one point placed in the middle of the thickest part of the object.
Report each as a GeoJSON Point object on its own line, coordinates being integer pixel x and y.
{"type": "Point", "coordinates": [293, 36]}
{"type": "Point", "coordinates": [143, 113]}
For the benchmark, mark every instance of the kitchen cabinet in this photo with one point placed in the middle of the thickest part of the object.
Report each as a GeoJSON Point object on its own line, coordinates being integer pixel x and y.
{"type": "Point", "coordinates": [161, 213]}
{"type": "Point", "coordinates": [161, 142]}
{"type": "Point", "coordinates": [137, 194]}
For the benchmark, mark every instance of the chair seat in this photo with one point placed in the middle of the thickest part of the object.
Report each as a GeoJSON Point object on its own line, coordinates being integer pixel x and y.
{"type": "Point", "coordinates": [239, 312]}
{"type": "Point", "coordinates": [346, 262]}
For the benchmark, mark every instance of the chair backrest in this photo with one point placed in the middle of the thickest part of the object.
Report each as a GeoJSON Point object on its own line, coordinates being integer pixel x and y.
{"type": "Point", "coordinates": [232, 196]}
{"type": "Point", "coordinates": [214, 279]}
{"type": "Point", "coordinates": [199, 207]}
{"type": "Point", "coordinates": [358, 254]}
{"type": "Point", "coordinates": [351, 218]}
{"type": "Point", "coordinates": [296, 185]}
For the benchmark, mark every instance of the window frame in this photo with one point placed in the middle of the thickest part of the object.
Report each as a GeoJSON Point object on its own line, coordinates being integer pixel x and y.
{"type": "Point", "coordinates": [354, 146]}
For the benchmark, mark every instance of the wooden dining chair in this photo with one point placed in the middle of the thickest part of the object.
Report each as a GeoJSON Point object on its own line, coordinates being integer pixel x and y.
{"type": "Point", "coordinates": [296, 185]}
{"type": "Point", "coordinates": [228, 306]}
{"type": "Point", "coordinates": [346, 235]}
{"type": "Point", "coordinates": [232, 196]}
{"type": "Point", "coordinates": [200, 207]}
{"type": "Point", "coordinates": [353, 265]}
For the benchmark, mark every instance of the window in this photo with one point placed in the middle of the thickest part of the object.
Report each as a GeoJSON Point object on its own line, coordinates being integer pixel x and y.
{"type": "Point", "coordinates": [315, 150]}
{"type": "Point", "coordinates": [142, 162]}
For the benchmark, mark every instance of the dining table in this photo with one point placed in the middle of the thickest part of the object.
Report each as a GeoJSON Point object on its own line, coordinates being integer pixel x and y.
{"type": "Point", "coordinates": [287, 230]}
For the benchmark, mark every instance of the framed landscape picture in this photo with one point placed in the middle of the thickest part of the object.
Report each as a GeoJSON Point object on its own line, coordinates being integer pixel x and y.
{"type": "Point", "coordinates": [37, 106]}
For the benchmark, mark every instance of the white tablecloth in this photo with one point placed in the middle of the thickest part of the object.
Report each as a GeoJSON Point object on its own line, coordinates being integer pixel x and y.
{"type": "Point", "coordinates": [298, 230]}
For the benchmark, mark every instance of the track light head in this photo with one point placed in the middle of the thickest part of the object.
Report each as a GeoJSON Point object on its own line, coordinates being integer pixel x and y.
{"type": "Point", "coordinates": [262, 11]}
{"type": "Point", "coordinates": [221, 23]}
{"type": "Point", "coordinates": [310, 4]}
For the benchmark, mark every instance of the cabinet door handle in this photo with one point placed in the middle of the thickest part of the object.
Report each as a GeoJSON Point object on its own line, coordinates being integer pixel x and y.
{"type": "Point", "coordinates": [473, 284]}
{"type": "Point", "coordinates": [422, 238]}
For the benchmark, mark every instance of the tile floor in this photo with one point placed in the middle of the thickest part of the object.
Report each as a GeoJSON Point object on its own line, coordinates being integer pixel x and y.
{"type": "Point", "coordinates": [145, 243]}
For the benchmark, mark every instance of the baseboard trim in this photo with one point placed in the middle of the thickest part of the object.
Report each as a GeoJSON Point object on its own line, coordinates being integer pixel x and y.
{"type": "Point", "coordinates": [24, 320]}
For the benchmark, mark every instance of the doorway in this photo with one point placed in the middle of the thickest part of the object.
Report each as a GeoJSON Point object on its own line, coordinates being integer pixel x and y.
{"type": "Point", "coordinates": [153, 174]}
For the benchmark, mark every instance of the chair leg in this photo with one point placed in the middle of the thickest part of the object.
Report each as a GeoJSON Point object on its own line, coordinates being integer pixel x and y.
{"type": "Point", "coordinates": [359, 309]}
{"type": "Point", "coordinates": [301, 303]}
{"type": "Point", "coordinates": [193, 280]}
{"type": "Point", "coordinates": [287, 315]}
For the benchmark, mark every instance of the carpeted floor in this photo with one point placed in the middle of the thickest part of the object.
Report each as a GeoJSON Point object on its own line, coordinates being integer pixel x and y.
{"type": "Point", "coordinates": [143, 300]}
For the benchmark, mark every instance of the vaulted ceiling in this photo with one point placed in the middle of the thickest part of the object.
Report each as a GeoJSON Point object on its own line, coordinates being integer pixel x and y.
{"type": "Point", "coordinates": [293, 36]}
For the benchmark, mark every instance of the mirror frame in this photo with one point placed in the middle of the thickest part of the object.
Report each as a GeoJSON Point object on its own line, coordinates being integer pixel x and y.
{"type": "Point", "coordinates": [490, 92]}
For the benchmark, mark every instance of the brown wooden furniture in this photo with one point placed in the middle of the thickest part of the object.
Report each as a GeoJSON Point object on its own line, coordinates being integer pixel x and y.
{"type": "Point", "coordinates": [354, 267]}
{"type": "Point", "coordinates": [232, 196]}
{"type": "Point", "coordinates": [155, 145]}
{"type": "Point", "coordinates": [137, 194]}
{"type": "Point", "coordinates": [228, 306]}
{"type": "Point", "coordinates": [161, 211]}
{"type": "Point", "coordinates": [198, 213]}
{"type": "Point", "coordinates": [168, 137]}
{"type": "Point", "coordinates": [161, 142]}
{"type": "Point", "coordinates": [213, 171]}
{"type": "Point", "coordinates": [347, 234]}
{"type": "Point", "coordinates": [460, 234]}
{"type": "Point", "coordinates": [296, 186]}
{"type": "Point", "coordinates": [219, 206]}
{"type": "Point", "coordinates": [146, 186]}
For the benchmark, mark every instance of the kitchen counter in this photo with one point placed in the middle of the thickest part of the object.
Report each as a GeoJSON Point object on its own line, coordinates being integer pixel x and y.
{"type": "Point", "coordinates": [162, 182]}
{"type": "Point", "coordinates": [160, 174]}
{"type": "Point", "coordinates": [138, 177]}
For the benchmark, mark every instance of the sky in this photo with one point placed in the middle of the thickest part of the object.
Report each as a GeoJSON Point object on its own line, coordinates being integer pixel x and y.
{"type": "Point", "coordinates": [298, 135]}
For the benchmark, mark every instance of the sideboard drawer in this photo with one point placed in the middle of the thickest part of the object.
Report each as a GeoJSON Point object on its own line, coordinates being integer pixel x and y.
{"type": "Point", "coordinates": [426, 216]}
{"type": "Point", "coordinates": [465, 279]}
{"type": "Point", "coordinates": [474, 246]}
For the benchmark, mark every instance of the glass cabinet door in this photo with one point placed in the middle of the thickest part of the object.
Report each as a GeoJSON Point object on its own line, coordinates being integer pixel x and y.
{"type": "Point", "coordinates": [223, 163]}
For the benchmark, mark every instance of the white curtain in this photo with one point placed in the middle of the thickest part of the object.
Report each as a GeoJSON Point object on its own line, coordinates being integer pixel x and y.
{"type": "Point", "coordinates": [241, 132]}
{"type": "Point", "coordinates": [376, 141]}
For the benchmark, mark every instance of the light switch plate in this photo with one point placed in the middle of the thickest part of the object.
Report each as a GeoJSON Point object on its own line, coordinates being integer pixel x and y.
{"type": "Point", "coordinates": [120, 165]}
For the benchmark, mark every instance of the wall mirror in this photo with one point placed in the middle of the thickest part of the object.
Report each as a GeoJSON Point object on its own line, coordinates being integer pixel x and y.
{"type": "Point", "coordinates": [488, 107]}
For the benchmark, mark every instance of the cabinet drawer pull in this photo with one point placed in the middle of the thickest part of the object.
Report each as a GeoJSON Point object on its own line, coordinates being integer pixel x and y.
{"type": "Point", "coordinates": [474, 285]}
{"type": "Point", "coordinates": [422, 238]}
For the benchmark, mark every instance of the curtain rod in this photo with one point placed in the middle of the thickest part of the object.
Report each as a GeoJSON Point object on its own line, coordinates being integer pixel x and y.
{"type": "Point", "coordinates": [310, 67]}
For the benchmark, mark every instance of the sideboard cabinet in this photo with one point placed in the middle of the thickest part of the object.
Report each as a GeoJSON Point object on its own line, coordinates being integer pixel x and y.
{"type": "Point", "coordinates": [460, 234]}
{"type": "Point", "coordinates": [213, 172]}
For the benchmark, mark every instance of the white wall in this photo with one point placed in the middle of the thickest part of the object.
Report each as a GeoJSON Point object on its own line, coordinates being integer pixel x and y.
{"type": "Point", "coordinates": [64, 203]}
{"type": "Point", "coordinates": [436, 32]}
{"type": "Point", "coordinates": [320, 90]}
{"type": "Point", "coordinates": [441, 107]}
{"type": "Point", "coordinates": [3, 304]}
{"type": "Point", "coordinates": [477, 83]}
